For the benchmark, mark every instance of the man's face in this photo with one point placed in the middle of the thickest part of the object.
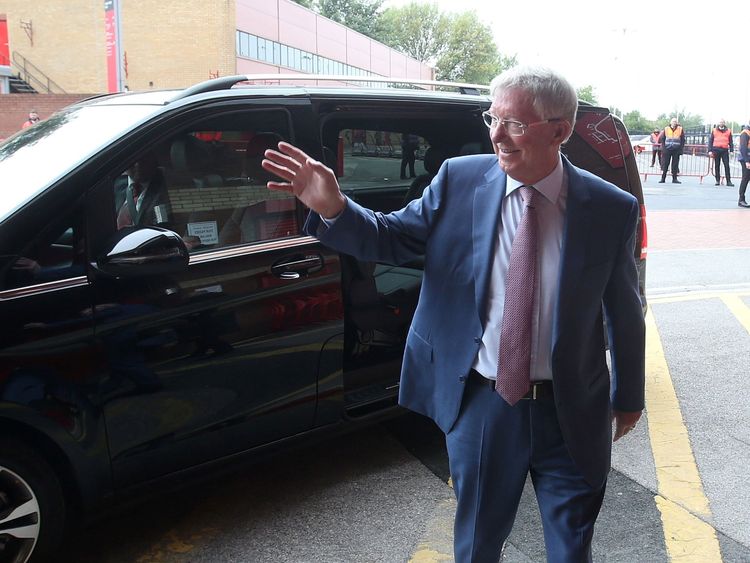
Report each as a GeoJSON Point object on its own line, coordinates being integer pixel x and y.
{"type": "Point", "coordinates": [673, 122]}
{"type": "Point", "coordinates": [142, 170]}
{"type": "Point", "coordinates": [532, 156]}
{"type": "Point", "coordinates": [33, 116]}
{"type": "Point", "coordinates": [722, 124]}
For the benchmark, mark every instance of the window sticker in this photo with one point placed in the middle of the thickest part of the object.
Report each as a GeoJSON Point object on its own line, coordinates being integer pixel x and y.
{"type": "Point", "coordinates": [207, 231]}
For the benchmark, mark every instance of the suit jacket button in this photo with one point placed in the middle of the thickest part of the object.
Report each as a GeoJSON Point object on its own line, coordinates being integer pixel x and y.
{"type": "Point", "coordinates": [477, 339]}
{"type": "Point", "coordinates": [462, 378]}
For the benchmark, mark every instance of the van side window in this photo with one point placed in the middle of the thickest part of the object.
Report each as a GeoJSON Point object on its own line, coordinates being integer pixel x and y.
{"type": "Point", "coordinates": [366, 157]}
{"type": "Point", "coordinates": [206, 183]}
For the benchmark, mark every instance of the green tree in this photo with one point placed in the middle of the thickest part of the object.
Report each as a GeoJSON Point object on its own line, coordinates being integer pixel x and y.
{"type": "Point", "coordinates": [460, 46]}
{"type": "Point", "coordinates": [686, 119]}
{"type": "Point", "coordinates": [587, 94]}
{"type": "Point", "coordinates": [635, 122]}
{"type": "Point", "coordinates": [419, 30]}
{"type": "Point", "coordinates": [360, 15]}
{"type": "Point", "coordinates": [305, 3]}
{"type": "Point", "coordinates": [470, 54]}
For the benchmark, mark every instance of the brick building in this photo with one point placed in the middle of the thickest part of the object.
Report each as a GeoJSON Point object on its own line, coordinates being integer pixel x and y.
{"type": "Point", "coordinates": [70, 44]}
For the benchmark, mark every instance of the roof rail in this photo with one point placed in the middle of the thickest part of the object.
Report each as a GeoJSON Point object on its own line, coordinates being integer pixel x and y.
{"type": "Point", "coordinates": [227, 82]}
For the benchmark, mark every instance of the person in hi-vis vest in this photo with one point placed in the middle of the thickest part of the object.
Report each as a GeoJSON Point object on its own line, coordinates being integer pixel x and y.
{"type": "Point", "coordinates": [672, 141]}
{"type": "Point", "coordinates": [720, 144]}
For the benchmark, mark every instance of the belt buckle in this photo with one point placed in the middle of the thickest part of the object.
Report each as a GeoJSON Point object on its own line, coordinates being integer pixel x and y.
{"type": "Point", "coordinates": [533, 390]}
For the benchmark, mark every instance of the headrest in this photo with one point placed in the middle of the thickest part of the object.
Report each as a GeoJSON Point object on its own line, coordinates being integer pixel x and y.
{"type": "Point", "coordinates": [262, 141]}
{"type": "Point", "coordinates": [256, 147]}
{"type": "Point", "coordinates": [433, 159]}
{"type": "Point", "coordinates": [190, 155]}
{"type": "Point", "coordinates": [470, 148]}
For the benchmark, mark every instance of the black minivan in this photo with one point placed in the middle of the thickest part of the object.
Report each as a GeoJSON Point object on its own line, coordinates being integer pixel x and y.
{"type": "Point", "coordinates": [162, 310]}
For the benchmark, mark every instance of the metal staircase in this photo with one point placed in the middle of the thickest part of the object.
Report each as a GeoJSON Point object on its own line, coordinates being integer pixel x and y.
{"type": "Point", "coordinates": [20, 86]}
{"type": "Point", "coordinates": [30, 79]}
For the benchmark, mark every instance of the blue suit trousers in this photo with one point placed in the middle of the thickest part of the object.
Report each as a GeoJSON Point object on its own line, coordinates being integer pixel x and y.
{"type": "Point", "coordinates": [491, 449]}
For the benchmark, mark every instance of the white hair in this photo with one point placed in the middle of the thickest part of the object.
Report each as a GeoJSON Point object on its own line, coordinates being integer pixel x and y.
{"type": "Point", "coordinates": [552, 95]}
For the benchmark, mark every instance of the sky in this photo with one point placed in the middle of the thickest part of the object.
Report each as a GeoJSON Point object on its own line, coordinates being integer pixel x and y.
{"type": "Point", "coordinates": [654, 57]}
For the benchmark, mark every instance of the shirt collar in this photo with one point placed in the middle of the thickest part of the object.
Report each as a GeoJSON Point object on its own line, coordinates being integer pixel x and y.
{"type": "Point", "coordinates": [549, 186]}
{"type": "Point", "coordinates": [144, 185]}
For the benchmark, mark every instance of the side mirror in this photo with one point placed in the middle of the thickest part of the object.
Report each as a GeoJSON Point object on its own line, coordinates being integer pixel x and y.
{"type": "Point", "coordinates": [143, 251]}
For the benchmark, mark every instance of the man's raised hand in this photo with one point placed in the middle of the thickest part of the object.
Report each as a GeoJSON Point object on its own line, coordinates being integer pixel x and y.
{"type": "Point", "coordinates": [311, 181]}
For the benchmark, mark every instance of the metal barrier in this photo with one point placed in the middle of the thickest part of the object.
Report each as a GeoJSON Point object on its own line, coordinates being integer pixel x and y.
{"type": "Point", "coordinates": [694, 162]}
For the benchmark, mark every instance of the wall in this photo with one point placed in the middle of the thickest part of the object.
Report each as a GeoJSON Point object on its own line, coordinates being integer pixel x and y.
{"type": "Point", "coordinates": [166, 44]}
{"type": "Point", "coordinates": [14, 108]}
{"type": "Point", "coordinates": [290, 24]}
{"type": "Point", "coordinates": [69, 31]}
{"type": "Point", "coordinates": [177, 44]}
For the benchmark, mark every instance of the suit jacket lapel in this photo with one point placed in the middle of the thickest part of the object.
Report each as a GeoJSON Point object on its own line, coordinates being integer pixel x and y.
{"type": "Point", "coordinates": [486, 220]}
{"type": "Point", "coordinates": [575, 234]}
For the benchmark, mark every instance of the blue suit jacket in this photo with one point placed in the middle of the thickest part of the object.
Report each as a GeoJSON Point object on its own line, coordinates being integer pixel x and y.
{"type": "Point", "coordinates": [454, 224]}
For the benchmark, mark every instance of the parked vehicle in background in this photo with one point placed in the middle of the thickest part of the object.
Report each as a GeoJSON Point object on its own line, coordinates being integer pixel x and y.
{"type": "Point", "coordinates": [163, 312]}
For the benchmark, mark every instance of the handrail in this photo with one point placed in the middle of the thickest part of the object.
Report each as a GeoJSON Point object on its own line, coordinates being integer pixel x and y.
{"type": "Point", "coordinates": [25, 67]}
{"type": "Point", "coordinates": [227, 82]}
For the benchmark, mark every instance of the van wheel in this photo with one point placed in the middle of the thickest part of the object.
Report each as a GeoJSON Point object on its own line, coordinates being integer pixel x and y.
{"type": "Point", "coordinates": [32, 505]}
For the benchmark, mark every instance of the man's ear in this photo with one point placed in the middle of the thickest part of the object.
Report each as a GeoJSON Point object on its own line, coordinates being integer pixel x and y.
{"type": "Point", "coordinates": [562, 130]}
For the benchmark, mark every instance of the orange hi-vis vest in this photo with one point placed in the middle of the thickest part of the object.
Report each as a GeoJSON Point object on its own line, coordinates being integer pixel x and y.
{"type": "Point", "coordinates": [672, 138]}
{"type": "Point", "coordinates": [721, 138]}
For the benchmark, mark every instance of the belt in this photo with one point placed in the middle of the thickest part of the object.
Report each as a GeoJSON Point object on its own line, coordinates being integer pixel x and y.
{"type": "Point", "coordinates": [539, 389]}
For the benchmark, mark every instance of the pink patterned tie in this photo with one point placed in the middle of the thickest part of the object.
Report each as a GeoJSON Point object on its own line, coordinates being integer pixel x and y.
{"type": "Point", "coordinates": [514, 356]}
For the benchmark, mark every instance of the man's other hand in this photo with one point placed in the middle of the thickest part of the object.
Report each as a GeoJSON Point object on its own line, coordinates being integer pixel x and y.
{"type": "Point", "coordinates": [624, 422]}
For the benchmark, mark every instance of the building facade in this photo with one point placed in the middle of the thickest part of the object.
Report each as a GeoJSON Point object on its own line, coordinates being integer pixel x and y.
{"type": "Point", "coordinates": [155, 44]}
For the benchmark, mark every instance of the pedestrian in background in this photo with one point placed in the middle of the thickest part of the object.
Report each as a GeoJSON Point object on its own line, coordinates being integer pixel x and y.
{"type": "Point", "coordinates": [672, 141]}
{"type": "Point", "coordinates": [506, 350]}
{"type": "Point", "coordinates": [409, 147]}
{"type": "Point", "coordinates": [744, 163]}
{"type": "Point", "coordinates": [720, 144]}
{"type": "Point", "coordinates": [655, 147]}
{"type": "Point", "coordinates": [33, 118]}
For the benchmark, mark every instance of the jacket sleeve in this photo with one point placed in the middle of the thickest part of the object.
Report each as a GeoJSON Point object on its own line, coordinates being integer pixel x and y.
{"type": "Point", "coordinates": [743, 146]}
{"type": "Point", "coordinates": [394, 238]}
{"type": "Point", "coordinates": [625, 323]}
{"type": "Point", "coordinates": [711, 142]}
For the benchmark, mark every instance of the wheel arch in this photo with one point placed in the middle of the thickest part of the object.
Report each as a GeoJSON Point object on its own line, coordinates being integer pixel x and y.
{"type": "Point", "coordinates": [70, 463]}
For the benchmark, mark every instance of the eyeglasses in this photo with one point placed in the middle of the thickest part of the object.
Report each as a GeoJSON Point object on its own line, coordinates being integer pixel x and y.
{"type": "Point", "coordinates": [513, 128]}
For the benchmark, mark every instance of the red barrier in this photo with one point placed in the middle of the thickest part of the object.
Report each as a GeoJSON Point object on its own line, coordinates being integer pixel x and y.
{"type": "Point", "coordinates": [694, 162]}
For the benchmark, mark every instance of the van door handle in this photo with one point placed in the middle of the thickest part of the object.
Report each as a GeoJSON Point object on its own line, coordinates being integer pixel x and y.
{"type": "Point", "coordinates": [294, 267]}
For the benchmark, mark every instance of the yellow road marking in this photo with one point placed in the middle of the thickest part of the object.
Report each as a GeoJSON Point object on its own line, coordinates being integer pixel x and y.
{"type": "Point", "coordinates": [738, 309]}
{"type": "Point", "coordinates": [694, 296]}
{"type": "Point", "coordinates": [688, 538]}
{"type": "Point", "coordinates": [681, 496]}
{"type": "Point", "coordinates": [437, 544]}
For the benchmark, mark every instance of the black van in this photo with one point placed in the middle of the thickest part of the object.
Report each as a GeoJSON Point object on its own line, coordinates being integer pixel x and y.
{"type": "Point", "coordinates": [162, 310]}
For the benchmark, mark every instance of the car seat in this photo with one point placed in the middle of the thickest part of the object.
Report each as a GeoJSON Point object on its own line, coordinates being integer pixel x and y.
{"type": "Point", "coordinates": [433, 160]}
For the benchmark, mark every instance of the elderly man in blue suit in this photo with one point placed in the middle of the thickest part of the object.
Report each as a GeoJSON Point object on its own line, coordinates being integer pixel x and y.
{"type": "Point", "coordinates": [506, 351]}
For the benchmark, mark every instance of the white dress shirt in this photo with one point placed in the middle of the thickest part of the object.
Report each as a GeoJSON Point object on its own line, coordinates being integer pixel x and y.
{"type": "Point", "coordinates": [550, 212]}
{"type": "Point", "coordinates": [141, 195]}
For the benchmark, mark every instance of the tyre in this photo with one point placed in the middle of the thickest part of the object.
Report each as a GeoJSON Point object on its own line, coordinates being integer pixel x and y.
{"type": "Point", "coordinates": [32, 505]}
